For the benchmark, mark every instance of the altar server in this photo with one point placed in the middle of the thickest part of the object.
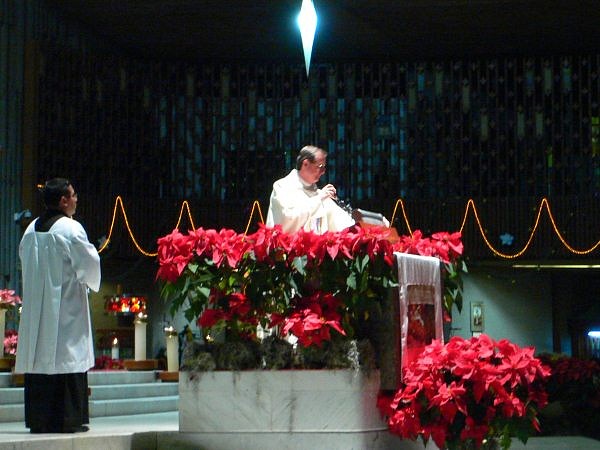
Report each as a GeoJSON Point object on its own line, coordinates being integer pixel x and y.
{"type": "Point", "coordinates": [55, 348]}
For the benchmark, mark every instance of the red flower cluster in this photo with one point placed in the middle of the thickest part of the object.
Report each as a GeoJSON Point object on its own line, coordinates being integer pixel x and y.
{"type": "Point", "coordinates": [125, 304]}
{"type": "Point", "coordinates": [447, 247]}
{"type": "Point", "coordinates": [575, 382]}
{"type": "Point", "coordinates": [232, 308]}
{"type": "Point", "coordinates": [226, 247]}
{"type": "Point", "coordinates": [567, 370]}
{"type": "Point", "coordinates": [312, 319]}
{"type": "Point", "coordinates": [107, 363]}
{"type": "Point", "coordinates": [304, 280]}
{"type": "Point", "coordinates": [9, 298]}
{"type": "Point", "coordinates": [11, 338]}
{"type": "Point", "coordinates": [469, 390]}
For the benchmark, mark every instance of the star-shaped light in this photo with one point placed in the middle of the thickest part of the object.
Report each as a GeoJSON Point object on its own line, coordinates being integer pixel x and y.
{"type": "Point", "coordinates": [307, 22]}
{"type": "Point", "coordinates": [507, 239]}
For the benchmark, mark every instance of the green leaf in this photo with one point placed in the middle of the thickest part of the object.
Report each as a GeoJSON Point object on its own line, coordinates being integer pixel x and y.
{"type": "Point", "coordinates": [351, 281]}
{"type": "Point", "coordinates": [299, 263]}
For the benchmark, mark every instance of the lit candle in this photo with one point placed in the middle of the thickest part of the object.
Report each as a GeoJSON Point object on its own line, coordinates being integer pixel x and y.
{"type": "Point", "coordinates": [114, 354]}
{"type": "Point", "coordinates": [172, 349]}
{"type": "Point", "coordinates": [140, 336]}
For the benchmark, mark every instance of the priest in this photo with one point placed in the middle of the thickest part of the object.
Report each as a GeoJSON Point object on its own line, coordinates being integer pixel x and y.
{"type": "Point", "coordinates": [297, 203]}
{"type": "Point", "coordinates": [55, 348]}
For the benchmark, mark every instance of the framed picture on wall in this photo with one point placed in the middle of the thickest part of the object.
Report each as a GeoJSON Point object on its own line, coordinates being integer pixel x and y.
{"type": "Point", "coordinates": [477, 318]}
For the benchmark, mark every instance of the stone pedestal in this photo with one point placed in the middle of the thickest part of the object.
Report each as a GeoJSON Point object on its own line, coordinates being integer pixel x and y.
{"type": "Point", "coordinates": [334, 409]}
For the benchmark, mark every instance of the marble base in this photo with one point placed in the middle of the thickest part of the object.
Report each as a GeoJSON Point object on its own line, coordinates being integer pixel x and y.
{"type": "Point", "coordinates": [340, 441]}
{"type": "Point", "coordinates": [318, 402]}
{"type": "Point", "coordinates": [375, 440]}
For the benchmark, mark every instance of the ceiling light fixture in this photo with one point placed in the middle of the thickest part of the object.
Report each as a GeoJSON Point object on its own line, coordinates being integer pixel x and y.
{"type": "Point", "coordinates": [307, 22]}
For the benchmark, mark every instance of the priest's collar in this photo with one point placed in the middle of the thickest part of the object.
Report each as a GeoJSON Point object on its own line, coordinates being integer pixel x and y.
{"type": "Point", "coordinates": [312, 187]}
{"type": "Point", "coordinates": [47, 219]}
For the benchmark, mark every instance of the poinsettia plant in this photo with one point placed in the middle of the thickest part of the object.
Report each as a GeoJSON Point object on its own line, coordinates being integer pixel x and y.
{"type": "Point", "coordinates": [11, 338]}
{"type": "Point", "coordinates": [105, 362]}
{"type": "Point", "coordinates": [468, 392]}
{"type": "Point", "coordinates": [448, 248]}
{"type": "Point", "coordinates": [312, 286]}
{"type": "Point", "coordinates": [574, 396]}
{"type": "Point", "coordinates": [8, 298]}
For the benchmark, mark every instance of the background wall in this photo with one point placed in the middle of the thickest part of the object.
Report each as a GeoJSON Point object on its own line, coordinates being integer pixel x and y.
{"type": "Point", "coordinates": [503, 129]}
{"type": "Point", "coordinates": [517, 306]}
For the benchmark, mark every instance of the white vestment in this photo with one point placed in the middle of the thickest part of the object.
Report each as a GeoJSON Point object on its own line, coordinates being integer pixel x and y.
{"type": "Point", "coordinates": [294, 205]}
{"type": "Point", "coordinates": [55, 332]}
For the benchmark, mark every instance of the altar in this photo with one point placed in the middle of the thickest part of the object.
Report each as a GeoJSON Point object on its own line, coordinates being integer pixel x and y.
{"type": "Point", "coordinates": [329, 292]}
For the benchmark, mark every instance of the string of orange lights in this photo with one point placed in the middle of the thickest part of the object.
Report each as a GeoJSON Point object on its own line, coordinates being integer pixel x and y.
{"type": "Point", "coordinates": [543, 206]}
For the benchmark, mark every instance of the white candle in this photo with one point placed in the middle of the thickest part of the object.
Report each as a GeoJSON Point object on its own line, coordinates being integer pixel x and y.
{"type": "Point", "coordinates": [114, 354]}
{"type": "Point", "coordinates": [140, 337]}
{"type": "Point", "coordinates": [172, 350]}
{"type": "Point", "coordinates": [2, 326]}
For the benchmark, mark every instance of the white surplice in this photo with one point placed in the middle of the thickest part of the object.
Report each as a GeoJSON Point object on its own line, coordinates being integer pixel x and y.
{"type": "Point", "coordinates": [55, 332]}
{"type": "Point", "coordinates": [295, 205]}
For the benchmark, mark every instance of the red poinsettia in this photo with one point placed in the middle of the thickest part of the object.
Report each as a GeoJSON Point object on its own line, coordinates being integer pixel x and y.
{"type": "Point", "coordinates": [270, 244]}
{"type": "Point", "coordinates": [210, 317]}
{"type": "Point", "coordinates": [174, 253]}
{"type": "Point", "coordinates": [11, 338]}
{"type": "Point", "coordinates": [105, 362]}
{"type": "Point", "coordinates": [313, 318]}
{"type": "Point", "coordinates": [469, 390]}
{"type": "Point", "coordinates": [231, 280]}
{"type": "Point", "coordinates": [232, 312]}
{"type": "Point", "coordinates": [9, 298]}
{"type": "Point", "coordinates": [575, 386]}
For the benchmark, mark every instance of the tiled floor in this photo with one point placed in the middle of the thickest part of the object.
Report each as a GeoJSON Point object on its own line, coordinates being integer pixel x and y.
{"type": "Point", "coordinates": [161, 431]}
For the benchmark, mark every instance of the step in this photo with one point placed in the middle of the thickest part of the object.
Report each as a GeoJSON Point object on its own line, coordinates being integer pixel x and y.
{"type": "Point", "coordinates": [10, 395]}
{"type": "Point", "coordinates": [112, 393]}
{"type": "Point", "coordinates": [125, 406]}
{"type": "Point", "coordinates": [14, 412]}
{"type": "Point", "coordinates": [137, 390]}
{"type": "Point", "coordinates": [104, 392]}
{"type": "Point", "coordinates": [5, 379]}
{"type": "Point", "coordinates": [104, 377]}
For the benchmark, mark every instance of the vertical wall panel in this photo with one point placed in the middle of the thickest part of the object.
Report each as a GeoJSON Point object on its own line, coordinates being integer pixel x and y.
{"type": "Point", "coordinates": [12, 50]}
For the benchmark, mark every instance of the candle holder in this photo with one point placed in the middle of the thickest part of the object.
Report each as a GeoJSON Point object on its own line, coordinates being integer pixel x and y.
{"type": "Point", "coordinates": [140, 362]}
{"type": "Point", "coordinates": [172, 341]}
{"type": "Point", "coordinates": [139, 324]}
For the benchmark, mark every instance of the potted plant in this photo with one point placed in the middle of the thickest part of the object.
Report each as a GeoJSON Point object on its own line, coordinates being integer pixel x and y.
{"type": "Point", "coordinates": [469, 393]}
{"type": "Point", "coordinates": [8, 302]}
{"type": "Point", "coordinates": [321, 289]}
{"type": "Point", "coordinates": [270, 300]}
{"type": "Point", "coordinates": [573, 397]}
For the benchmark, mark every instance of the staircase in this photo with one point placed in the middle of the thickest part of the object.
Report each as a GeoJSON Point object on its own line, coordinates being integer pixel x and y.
{"type": "Point", "coordinates": [113, 393]}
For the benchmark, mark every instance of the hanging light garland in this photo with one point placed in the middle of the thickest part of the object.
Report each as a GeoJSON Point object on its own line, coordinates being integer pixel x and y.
{"type": "Point", "coordinates": [119, 202]}
{"type": "Point", "coordinates": [544, 206]}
